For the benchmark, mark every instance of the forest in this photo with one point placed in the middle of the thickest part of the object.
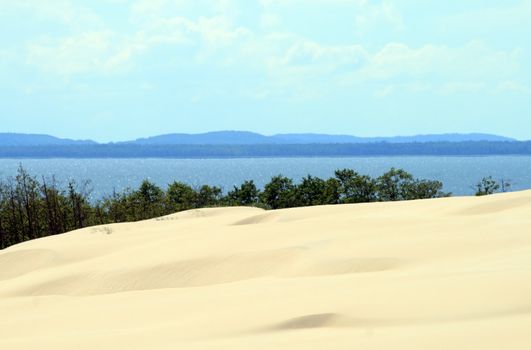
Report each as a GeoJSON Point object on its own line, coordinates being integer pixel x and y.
{"type": "Point", "coordinates": [32, 208]}
{"type": "Point", "coordinates": [468, 148]}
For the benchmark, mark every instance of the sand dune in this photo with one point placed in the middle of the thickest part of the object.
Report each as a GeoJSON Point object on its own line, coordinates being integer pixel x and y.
{"type": "Point", "coordinates": [438, 274]}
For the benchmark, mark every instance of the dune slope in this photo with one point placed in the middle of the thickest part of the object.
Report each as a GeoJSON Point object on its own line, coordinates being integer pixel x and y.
{"type": "Point", "coordinates": [439, 274]}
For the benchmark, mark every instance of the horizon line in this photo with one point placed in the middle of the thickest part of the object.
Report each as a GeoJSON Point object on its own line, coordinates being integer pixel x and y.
{"type": "Point", "coordinates": [95, 140]}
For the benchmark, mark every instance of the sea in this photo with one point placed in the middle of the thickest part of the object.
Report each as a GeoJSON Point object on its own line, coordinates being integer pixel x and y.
{"type": "Point", "coordinates": [459, 174]}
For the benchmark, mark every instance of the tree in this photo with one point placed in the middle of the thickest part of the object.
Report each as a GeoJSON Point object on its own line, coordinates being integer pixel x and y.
{"type": "Point", "coordinates": [29, 209]}
{"type": "Point", "coordinates": [53, 209]}
{"type": "Point", "coordinates": [424, 189]}
{"type": "Point", "coordinates": [355, 188]}
{"type": "Point", "coordinates": [208, 196]}
{"type": "Point", "coordinates": [487, 186]}
{"type": "Point", "coordinates": [5, 236]}
{"type": "Point", "coordinates": [279, 193]}
{"type": "Point", "coordinates": [181, 196]}
{"type": "Point", "coordinates": [27, 190]}
{"type": "Point", "coordinates": [310, 192]}
{"type": "Point", "coordinates": [80, 207]}
{"type": "Point", "coordinates": [115, 206]}
{"type": "Point", "coordinates": [149, 200]}
{"type": "Point", "coordinates": [392, 185]}
{"type": "Point", "coordinates": [332, 191]}
{"type": "Point", "coordinates": [246, 194]}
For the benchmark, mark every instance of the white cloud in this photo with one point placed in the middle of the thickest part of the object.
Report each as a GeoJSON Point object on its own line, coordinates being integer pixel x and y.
{"type": "Point", "coordinates": [291, 63]}
{"type": "Point", "coordinates": [490, 19]}
{"type": "Point", "coordinates": [64, 12]}
{"type": "Point", "coordinates": [390, 89]}
{"type": "Point", "coordinates": [88, 52]}
{"type": "Point", "coordinates": [461, 87]}
{"type": "Point", "coordinates": [394, 68]}
{"type": "Point", "coordinates": [474, 60]}
{"type": "Point", "coordinates": [109, 52]}
{"type": "Point", "coordinates": [307, 68]}
{"type": "Point", "coordinates": [512, 86]}
{"type": "Point", "coordinates": [6, 60]}
{"type": "Point", "coordinates": [366, 15]}
{"type": "Point", "coordinates": [147, 9]}
{"type": "Point", "coordinates": [272, 3]}
{"type": "Point", "coordinates": [307, 53]}
{"type": "Point", "coordinates": [373, 17]}
{"type": "Point", "coordinates": [207, 35]}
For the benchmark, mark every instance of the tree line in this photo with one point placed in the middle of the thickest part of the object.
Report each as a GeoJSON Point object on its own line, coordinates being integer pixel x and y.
{"type": "Point", "coordinates": [32, 208]}
{"type": "Point", "coordinates": [466, 148]}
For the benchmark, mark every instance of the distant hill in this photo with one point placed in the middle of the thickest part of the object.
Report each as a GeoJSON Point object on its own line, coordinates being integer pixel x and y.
{"type": "Point", "coordinates": [13, 139]}
{"type": "Point", "coordinates": [250, 138]}
{"type": "Point", "coordinates": [210, 138]}
{"type": "Point", "coordinates": [444, 138]}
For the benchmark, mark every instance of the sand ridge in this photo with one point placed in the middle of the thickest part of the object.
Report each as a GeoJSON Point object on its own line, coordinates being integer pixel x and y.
{"type": "Point", "coordinates": [451, 273]}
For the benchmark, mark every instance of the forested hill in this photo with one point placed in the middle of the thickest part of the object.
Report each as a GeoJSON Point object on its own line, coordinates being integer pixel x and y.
{"type": "Point", "coordinates": [14, 139]}
{"type": "Point", "coordinates": [478, 148]}
{"type": "Point", "coordinates": [250, 138]}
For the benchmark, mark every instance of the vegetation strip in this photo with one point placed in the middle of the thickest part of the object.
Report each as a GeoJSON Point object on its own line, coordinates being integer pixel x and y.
{"type": "Point", "coordinates": [31, 209]}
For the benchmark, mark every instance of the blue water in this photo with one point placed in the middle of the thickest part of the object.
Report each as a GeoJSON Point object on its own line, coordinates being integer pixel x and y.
{"type": "Point", "coordinates": [459, 174]}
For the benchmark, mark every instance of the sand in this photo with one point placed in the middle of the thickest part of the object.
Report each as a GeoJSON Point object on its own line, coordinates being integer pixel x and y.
{"type": "Point", "coordinates": [438, 274]}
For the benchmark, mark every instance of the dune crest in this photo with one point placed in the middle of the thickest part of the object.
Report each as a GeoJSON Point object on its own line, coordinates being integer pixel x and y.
{"type": "Point", "coordinates": [451, 273]}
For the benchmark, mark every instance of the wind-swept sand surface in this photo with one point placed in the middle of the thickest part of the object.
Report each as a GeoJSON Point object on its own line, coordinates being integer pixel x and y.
{"type": "Point", "coordinates": [439, 274]}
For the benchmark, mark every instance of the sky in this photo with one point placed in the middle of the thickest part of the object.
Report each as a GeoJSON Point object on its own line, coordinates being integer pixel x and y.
{"type": "Point", "coordinates": [113, 70]}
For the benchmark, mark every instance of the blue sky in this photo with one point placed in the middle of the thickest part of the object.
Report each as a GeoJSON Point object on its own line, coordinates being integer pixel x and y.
{"type": "Point", "coordinates": [122, 69]}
